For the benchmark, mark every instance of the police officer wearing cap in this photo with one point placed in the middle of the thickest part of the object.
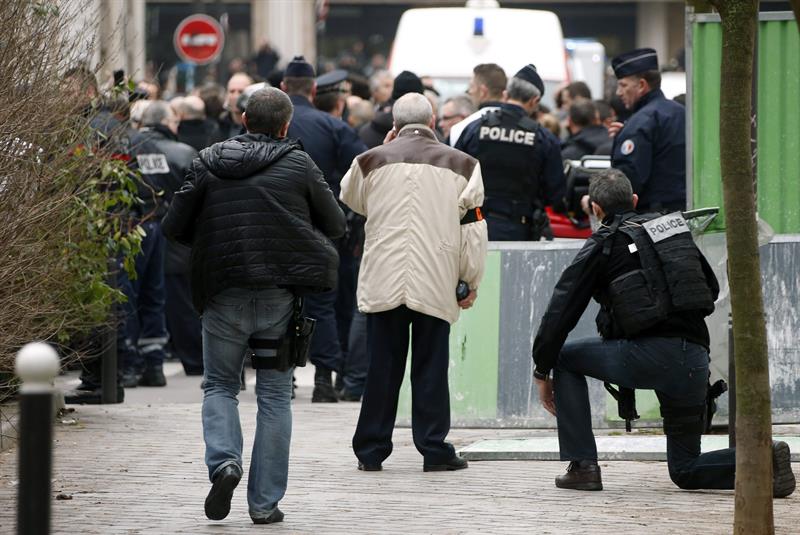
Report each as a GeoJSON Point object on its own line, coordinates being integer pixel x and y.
{"type": "Point", "coordinates": [332, 144]}
{"type": "Point", "coordinates": [654, 288]}
{"type": "Point", "coordinates": [650, 148]}
{"type": "Point", "coordinates": [331, 93]}
{"type": "Point", "coordinates": [520, 160]}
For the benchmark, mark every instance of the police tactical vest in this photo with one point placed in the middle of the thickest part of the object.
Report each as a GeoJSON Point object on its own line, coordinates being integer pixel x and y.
{"type": "Point", "coordinates": [510, 155]}
{"type": "Point", "coordinates": [671, 278]}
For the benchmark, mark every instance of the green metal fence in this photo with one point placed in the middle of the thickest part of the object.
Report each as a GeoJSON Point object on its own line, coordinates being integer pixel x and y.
{"type": "Point", "coordinates": [777, 118]}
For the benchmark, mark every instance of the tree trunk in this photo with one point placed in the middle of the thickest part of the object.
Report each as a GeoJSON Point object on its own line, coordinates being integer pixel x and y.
{"type": "Point", "coordinates": [753, 415]}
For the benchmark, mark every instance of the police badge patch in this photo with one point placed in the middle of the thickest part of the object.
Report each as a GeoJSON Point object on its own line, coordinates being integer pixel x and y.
{"type": "Point", "coordinates": [627, 147]}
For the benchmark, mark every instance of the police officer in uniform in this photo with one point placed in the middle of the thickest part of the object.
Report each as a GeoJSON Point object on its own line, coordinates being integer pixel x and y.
{"type": "Point", "coordinates": [650, 148]}
{"type": "Point", "coordinates": [520, 160]}
{"type": "Point", "coordinates": [332, 144]}
{"type": "Point", "coordinates": [655, 288]}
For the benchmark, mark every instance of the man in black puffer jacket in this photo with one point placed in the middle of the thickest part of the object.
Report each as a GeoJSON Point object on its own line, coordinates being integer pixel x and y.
{"type": "Point", "coordinates": [260, 218]}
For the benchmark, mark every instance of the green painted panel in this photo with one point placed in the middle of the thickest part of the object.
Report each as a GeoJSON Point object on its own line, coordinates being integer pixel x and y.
{"type": "Point", "coordinates": [473, 353]}
{"type": "Point", "coordinates": [779, 125]}
{"type": "Point", "coordinates": [706, 175]}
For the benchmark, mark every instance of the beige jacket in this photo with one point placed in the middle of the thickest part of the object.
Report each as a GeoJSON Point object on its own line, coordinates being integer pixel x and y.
{"type": "Point", "coordinates": [414, 191]}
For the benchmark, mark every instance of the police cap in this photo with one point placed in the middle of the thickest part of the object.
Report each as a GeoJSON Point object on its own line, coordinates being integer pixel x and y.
{"type": "Point", "coordinates": [529, 74]}
{"type": "Point", "coordinates": [331, 82]}
{"type": "Point", "coordinates": [635, 62]}
{"type": "Point", "coordinates": [299, 68]}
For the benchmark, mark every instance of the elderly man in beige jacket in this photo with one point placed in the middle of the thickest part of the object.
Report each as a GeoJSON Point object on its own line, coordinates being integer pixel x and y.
{"type": "Point", "coordinates": [424, 233]}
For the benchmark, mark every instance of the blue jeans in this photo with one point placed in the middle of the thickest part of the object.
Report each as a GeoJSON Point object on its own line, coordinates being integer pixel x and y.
{"type": "Point", "coordinates": [678, 372]}
{"type": "Point", "coordinates": [229, 319]}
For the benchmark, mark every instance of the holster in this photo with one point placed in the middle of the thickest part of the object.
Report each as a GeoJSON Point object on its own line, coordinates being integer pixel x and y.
{"type": "Point", "coordinates": [291, 349]}
{"type": "Point", "coordinates": [626, 403]}
{"type": "Point", "coordinates": [540, 226]}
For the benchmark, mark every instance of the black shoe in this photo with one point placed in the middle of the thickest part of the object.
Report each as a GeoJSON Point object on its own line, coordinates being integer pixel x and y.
{"type": "Point", "coordinates": [366, 467]}
{"type": "Point", "coordinates": [783, 481]}
{"type": "Point", "coordinates": [455, 463]}
{"type": "Point", "coordinates": [218, 501]}
{"type": "Point", "coordinates": [90, 397]}
{"type": "Point", "coordinates": [324, 393]}
{"type": "Point", "coordinates": [274, 516]}
{"type": "Point", "coordinates": [153, 377]}
{"type": "Point", "coordinates": [130, 379]}
{"type": "Point", "coordinates": [344, 395]}
{"type": "Point", "coordinates": [581, 475]}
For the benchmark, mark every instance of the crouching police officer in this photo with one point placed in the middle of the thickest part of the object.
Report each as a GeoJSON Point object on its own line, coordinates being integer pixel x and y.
{"type": "Point", "coordinates": [655, 288]}
{"type": "Point", "coordinates": [520, 161]}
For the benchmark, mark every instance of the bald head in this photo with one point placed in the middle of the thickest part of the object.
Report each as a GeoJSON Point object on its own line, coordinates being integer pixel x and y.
{"type": "Point", "coordinates": [412, 108]}
{"type": "Point", "coordinates": [192, 107]}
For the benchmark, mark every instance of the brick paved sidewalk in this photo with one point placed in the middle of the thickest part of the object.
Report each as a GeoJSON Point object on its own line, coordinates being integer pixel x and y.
{"type": "Point", "coordinates": [138, 468]}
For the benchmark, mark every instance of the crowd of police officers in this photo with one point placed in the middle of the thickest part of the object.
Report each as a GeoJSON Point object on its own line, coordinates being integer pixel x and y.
{"type": "Point", "coordinates": [653, 332]}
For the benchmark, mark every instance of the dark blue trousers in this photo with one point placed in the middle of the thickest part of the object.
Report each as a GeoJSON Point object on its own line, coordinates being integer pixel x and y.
{"type": "Point", "coordinates": [183, 323]}
{"type": "Point", "coordinates": [678, 372]}
{"type": "Point", "coordinates": [503, 229]}
{"type": "Point", "coordinates": [387, 346]}
{"type": "Point", "coordinates": [143, 333]}
{"type": "Point", "coordinates": [326, 351]}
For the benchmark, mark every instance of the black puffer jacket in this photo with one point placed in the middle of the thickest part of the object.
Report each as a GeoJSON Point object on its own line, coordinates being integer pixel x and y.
{"type": "Point", "coordinates": [257, 213]}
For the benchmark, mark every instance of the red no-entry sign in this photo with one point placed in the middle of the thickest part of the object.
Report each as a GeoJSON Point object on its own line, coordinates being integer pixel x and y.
{"type": "Point", "coordinates": [199, 39]}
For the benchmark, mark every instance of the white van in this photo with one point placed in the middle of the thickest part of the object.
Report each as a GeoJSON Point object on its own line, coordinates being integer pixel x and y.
{"type": "Point", "coordinates": [446, 43]}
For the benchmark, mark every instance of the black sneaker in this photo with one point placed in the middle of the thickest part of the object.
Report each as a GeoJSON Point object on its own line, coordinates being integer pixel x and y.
{"type": "Point", "coordinates": [581, 475]}
{"type": "Point", "coordinates": [274, 516]}
{"type": "Point", "coordinates": [130, 379]}
{"type": "Point", "coordinates": [783, 481]}
{"type": "Point", "coordinates": [345, 395]}
{"type": "Point", "coordinates": [324, 393]}
{"type": "Point", "coordinates": [218, 501]}
{"type": "Point", "coordinates": [455, 463]}
{"type": "Point", "coordinates": [153, 377]}
{"type": "Point", "coordinates": [367, 467]}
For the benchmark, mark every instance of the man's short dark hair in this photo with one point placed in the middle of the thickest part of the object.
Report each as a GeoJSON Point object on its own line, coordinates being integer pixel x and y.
{"type": "Point", "coordinates": [653, 79]}
{"type": "Point", "coordinates": [268, 111]}
{"type": "Point", "coordinates": [327, 102]}
{"type": "Point", "coordinates": [604, 110]}
{"type": "Point", "coordinates": [579, 90]}
{"type": "Point", "coordinates": [493, 77]}
{"type": "Point", "coordinates": [298, 86]}
{"type": "Point", "coordinates": [583, 113]}
{"type": "Point", "coordinates": [612, 190]}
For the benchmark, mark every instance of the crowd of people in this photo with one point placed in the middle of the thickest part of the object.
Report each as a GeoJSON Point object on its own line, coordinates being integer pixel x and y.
{"type": "Point", "coordinates": [294, 197]}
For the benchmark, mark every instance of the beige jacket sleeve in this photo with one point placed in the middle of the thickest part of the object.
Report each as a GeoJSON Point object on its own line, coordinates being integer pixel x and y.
{"type": "Point", "coordinates": [474, 236]}
{"type": "Point", "coordinates": [354, 186]}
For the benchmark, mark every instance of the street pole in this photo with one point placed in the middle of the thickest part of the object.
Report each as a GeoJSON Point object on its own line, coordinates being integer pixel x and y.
{"type": "Point", "coordinates": [37, 365]}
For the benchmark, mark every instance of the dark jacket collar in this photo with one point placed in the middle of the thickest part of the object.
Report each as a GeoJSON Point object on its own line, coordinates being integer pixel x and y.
{"type": "Point", "coordinates": [300, 100]}
{"type": "Point", "coordinates": [159, 130]}
{"type": "Point", "coordinates": [655, 94]}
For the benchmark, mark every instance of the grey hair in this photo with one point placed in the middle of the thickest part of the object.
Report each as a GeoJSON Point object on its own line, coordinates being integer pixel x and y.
{"type": "Point", "coordinates": [192, 107]}
{"type": "Point", "coordinates": [463, 105]}
{"type": "Point", "coordinates": [155, 113]}
{"type": "Point", "coordinates": [375, 79]}
{"type": "Point", "coordinates": [268, 111]}
{"type": "Point", "coordinates": [612, 190]}
{"type": "Point", "coordinates": [521, 90]}
{"type": "Point", "coordinates": [412, 108]}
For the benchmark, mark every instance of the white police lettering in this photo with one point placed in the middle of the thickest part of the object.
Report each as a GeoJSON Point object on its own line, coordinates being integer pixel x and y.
{"type": "Point", "coordinates": [153, 164]}
{"type": "Point", "coordinates": [497, 133]}
{"type": "Point", "coordinates": [666, 226]}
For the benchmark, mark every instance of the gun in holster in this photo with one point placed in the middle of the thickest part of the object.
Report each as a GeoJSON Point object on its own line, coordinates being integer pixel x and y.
{"type": "Point", "coordinates": [714, 391]}
{"type": "Point", "coordinates": [540, 225]}
{"type": "Point", "coordinates": [289, 350]}
{"type": "Point", "coordinates": [626, 403]}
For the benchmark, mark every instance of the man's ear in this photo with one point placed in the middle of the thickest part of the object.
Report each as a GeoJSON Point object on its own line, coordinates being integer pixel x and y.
{"type": "Point", "coordinates": [505, 95]}
{"type": "Point", "coordinates": [313, 90]}
{"type": "Point", "coordinates": [244, 121]}
{"type": "Point", "coordinates": [635, 200]}
{"type": "Point", "coordinates": [284, 131]}
{"type": "Point", "coordinates": [432, 123]}
{"type": "Point", "coordinates": [283, 86]}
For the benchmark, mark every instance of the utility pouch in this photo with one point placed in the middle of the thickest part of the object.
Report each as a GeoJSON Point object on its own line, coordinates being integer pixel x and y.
{"type": "Point", "coordinates": [266, 355]}
{"type": "Point", "coordinates": [297, 340]}
{"type": "Point", "coordinates": [626, 403]}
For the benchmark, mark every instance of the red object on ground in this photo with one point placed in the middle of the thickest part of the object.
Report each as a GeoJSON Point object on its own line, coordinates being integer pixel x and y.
{"type": "Point", "coordinates": [199, 39]}
{"type": "Point", "coordinates": [563, 227]}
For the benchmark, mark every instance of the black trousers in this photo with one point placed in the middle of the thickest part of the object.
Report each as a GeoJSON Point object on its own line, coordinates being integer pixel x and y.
{"type": "Point", "coordinates": [183, 323]}
{"type": "Point", "coordinates": [387, 346]}
{"type": "Point", "coordinates": [678, 372]}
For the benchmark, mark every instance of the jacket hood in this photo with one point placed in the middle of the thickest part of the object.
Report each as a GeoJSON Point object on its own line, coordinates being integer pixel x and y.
{"type": "Point", "coordinates": [243, 156]}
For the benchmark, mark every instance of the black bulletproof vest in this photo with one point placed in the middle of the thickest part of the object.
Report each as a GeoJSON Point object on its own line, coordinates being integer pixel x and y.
{"type": "Point", "coordinates": [510, 154]}
{"type": "Point", "coordinates": [671, 279]}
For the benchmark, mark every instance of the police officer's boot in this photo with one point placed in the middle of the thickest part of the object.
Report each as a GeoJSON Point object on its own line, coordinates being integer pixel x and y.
{"type": "Point", "coordinates": [323, 387]}
{"type": "Point", "coordinates": [581, 475]}
{"type": "Point", "coordinates": [783, 481]}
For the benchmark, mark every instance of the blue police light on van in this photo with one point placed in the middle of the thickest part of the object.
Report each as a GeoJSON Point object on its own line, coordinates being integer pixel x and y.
{"type": "Point", "coordinates": [477, 28]}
